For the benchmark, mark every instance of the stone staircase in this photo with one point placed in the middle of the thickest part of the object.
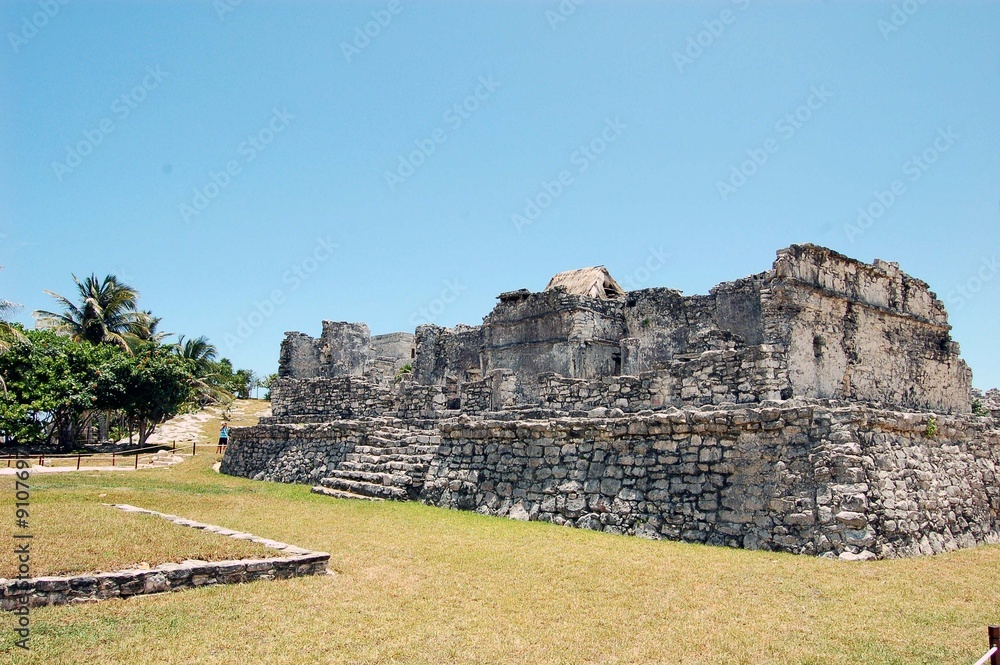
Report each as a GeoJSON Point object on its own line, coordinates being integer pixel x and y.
{"type": "Point", "coordinates": [390, 465]}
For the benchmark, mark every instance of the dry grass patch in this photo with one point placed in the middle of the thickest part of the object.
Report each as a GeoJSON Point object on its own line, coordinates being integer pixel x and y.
{"type": "Point", "coordinates": [416, 584]}
{"type": "Point", "coordinates": [75, 533]}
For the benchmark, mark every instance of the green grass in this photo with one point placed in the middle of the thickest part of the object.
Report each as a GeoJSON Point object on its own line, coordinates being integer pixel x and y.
{"type": "Point", "coordinates": [416, 584]}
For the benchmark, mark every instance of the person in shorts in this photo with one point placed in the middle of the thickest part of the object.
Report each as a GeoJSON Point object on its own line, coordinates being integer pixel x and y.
{"type": "Point", "coordinates": [223, 438]}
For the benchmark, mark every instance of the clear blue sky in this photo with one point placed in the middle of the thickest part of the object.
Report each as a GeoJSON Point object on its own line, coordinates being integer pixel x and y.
{"type": "Point", "coordinates": [116, 115]}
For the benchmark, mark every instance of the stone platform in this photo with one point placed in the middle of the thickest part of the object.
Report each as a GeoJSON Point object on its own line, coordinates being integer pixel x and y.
{"type": "Point", "coordinates": [803, 476]}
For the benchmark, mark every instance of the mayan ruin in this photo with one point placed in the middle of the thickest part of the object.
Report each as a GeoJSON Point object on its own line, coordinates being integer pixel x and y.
{"type": "Point", "coordinates": [820, 407]}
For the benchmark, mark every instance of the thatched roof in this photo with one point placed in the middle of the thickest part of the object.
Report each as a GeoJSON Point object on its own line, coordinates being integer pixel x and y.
{"type": "Point", "coordinates": [594, 282]}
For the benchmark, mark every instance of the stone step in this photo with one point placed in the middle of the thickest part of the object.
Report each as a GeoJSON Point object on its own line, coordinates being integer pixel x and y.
{"type": "Point", "coordinates": [399, 467]}
{"type": "Point", "coordinates": [421, 449]}
{"type": "Point", "coordinates": [365, 489]}
{"type": "Point", "coordinates": [378, 450]}
{"type": "Point", "coordinates": [381, 459]}
{"type": "Point", "coordinates": [369, 476]}
{"type": "Point", "coordinates": [360, 458]}
{"type": "Point", "coordinates": [390, 431]}
{"type": "Point", "coordinates": [340, 494]}
{"type": "Point", "coordinates": [406, 467]}
{"type": "Point", "coordinates": [382, 442]}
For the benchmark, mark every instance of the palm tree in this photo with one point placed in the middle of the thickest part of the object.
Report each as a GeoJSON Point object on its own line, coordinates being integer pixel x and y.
{"type": "Point", "coordinates": [202, 353]}
{"type": "Point", "coordinates": [199, 349]}
{"type": "Point", "coordinates": [106, 314]}
{"type": "Point", "coordinates": [151, 334]}
{"type": "Point", "coordinates": [9, 333]}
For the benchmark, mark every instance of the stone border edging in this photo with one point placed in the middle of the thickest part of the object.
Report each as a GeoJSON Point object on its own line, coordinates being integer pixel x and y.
{"type": "Point", "coordinates": [42, 591]}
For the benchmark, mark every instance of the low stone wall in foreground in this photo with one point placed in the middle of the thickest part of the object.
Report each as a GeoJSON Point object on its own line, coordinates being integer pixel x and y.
{"type": "Point", "coordinates": [41, 591]}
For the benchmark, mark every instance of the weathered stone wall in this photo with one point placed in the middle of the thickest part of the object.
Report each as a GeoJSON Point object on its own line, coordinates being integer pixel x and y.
{"type": "Point", "coordinates": [331, 398]}
{"type": "Point", "coordinates": [868, 333]}
{"type": "Point", "coordinates": [300, 357]}
{"type": "Point", "coordinates": [397, 345]}
{"type": "Point", "coordinates": [291, 453]}
{"type": "Point", "coordinates": [496, 392]}
{"type": "Point", "coordinates": [447, 355]}
{"type": "Point", "coordinates": [553, 331]}
{"type": "Point", "coordinates": [663, 325]}
{"type": "Point", "coordinates": [713, 377]}
{"type": "Point", "coordinates": [418, 401]}
{"type": "Point", "coordinates": [865, 333]}
{"type": "Point", "coordinates": [388, 354]}
{"type": "Point", "coordinates": [913, 492]}
{"type": "Point", "coordinates": [803, 479]}
{"type": "Point", "coordinates": [304, 452]}
{"type": "Point", "coordinates": [345, 348]}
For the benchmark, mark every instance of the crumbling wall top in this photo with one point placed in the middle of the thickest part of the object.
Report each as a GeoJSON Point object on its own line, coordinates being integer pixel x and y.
{"type": "Point", "coordinates": [880, 284]}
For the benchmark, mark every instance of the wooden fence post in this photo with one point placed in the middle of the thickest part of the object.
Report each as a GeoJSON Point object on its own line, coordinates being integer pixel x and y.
{"type": "Point", "coordinates": [994, 633]}
{"type": "Point", "coordinates": [137, 459]}
{"type": "Point", "coordinates": [78, 459]}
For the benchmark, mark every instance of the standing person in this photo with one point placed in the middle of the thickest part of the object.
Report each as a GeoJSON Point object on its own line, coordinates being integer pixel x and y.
{"type": "Point", "coordinates": [223, 438]}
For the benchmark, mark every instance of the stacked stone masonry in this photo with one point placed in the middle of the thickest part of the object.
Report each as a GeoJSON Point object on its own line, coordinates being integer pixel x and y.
{"type": "Point", "coordinates": [820, 407]}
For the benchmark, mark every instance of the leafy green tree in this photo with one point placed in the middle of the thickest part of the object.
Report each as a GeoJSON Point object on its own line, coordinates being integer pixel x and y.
{"type": "Point", "coordinates": [51, 383]}
{"type": "Point", "coordinates": [107, 313]}
{"type": "Point", "coordinates": [244, 381]}
{"type": "Point", "coordinates": [268, 382]}
{"type": "Point", "coordinates": [149, 387]}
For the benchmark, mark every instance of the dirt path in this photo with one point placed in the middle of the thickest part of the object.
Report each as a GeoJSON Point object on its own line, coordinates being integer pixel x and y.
{"type": "Point", "coordinates": [191, 427]}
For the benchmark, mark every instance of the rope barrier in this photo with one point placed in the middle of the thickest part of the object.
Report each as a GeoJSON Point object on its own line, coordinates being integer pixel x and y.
{"type": "Point", "coordinates": [114, 455]}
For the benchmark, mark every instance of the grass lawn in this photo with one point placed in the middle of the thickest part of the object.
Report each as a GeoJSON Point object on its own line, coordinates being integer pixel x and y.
{"type": "Point", "coordinates": [415, 584]}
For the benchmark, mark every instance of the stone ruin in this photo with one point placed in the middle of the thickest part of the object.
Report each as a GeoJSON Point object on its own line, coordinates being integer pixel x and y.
{"type": "Point", "coordinates": [820, 407]}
